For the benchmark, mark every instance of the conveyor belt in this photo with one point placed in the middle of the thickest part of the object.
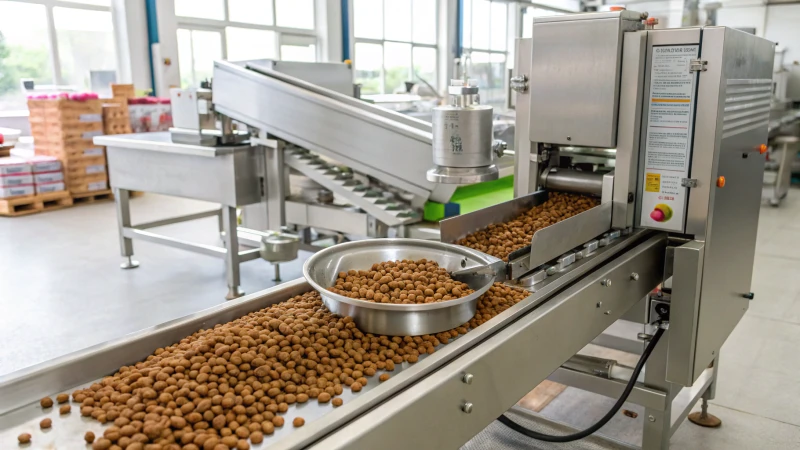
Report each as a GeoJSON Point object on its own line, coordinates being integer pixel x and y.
{"type": "Point", "coordinates": [21, 391]}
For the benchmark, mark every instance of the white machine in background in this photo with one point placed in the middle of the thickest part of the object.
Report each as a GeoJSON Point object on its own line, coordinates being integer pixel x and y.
{"type": "Point", "coordinates": [661, 267]}
{"type": "Point", "coordinates": [784, 135]}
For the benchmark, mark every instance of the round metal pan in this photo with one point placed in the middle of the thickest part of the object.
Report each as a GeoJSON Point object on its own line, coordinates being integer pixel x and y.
{"type": "Point", "coordinates": [322, 268]}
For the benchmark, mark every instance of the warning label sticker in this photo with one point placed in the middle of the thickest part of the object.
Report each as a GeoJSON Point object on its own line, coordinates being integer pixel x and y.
{"type": "Point", "coordinates": [652, 182]}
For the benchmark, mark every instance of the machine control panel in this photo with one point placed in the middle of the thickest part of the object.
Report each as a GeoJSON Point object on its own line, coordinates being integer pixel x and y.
{"type": "Point", "coordinates": [668, 141]}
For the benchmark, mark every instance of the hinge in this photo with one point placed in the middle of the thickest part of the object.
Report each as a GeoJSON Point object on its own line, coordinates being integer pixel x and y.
{"type": "Point", "coordinates": [698, 65]}
{"type": "Point", "coordinates": [519, 83]}
{"type": "Point", "coordinates": [689, 182]}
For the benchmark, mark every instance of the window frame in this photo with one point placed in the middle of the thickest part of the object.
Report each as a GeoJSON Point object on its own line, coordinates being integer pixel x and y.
{"type": "Point", "coordinates": [508, 53]}
{"type": "Point", "coordinates": [220, 26]}
{"type": "Point", "coordinates": [382, 41]}
{"type": "Point", "coordinates": [52, 33]}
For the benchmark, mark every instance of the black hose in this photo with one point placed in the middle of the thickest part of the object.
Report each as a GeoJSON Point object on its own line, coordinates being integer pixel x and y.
{"type": "Point", "coordinates": [582, 434]}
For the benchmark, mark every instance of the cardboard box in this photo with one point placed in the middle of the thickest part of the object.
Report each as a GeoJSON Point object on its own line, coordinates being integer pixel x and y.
{"type": "Point", "coordinates": [13, 165]}
{"type": "Point", "coordinates": [48, 177]}
{"type": "Point", "coordinates": [44, 164]}
{"type": "Point", "coordinates": [93, 186]}
{"type": "Point", "coordinates": [16, 191]}
{"type": "Point", "coordinates": [18, 179]}
{"type": "Point", "coordinates": [43, 188]}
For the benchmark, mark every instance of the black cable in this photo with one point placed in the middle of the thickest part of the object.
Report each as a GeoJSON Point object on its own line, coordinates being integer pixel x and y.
{"type": "Point", "coordinates": [582, 434]}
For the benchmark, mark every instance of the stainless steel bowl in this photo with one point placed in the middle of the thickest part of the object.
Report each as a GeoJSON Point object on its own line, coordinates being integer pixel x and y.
{"type": "Point", "coordinates": [322, 268]}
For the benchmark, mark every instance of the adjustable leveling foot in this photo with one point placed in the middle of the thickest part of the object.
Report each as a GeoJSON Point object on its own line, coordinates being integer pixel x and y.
{"type": "Point", "coordinates": [703, 418]}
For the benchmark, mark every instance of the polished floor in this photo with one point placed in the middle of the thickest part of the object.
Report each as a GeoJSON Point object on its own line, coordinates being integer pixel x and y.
{"type": "Point", "coordinates": [61, 290]}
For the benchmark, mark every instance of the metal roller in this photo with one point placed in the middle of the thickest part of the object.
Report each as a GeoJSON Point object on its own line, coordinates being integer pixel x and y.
{"type": "Point", "coordinates": [569, 180]}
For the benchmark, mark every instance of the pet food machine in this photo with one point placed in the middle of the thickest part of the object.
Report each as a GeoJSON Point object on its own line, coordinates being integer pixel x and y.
{"type": "Point", "coordinates": [662, 267]}
{"type": "Point", "coordinates": [306, 155]}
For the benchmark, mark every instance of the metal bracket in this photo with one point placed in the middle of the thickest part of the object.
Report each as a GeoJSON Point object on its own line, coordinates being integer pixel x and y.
{"type": "Point", "coordinates": [698, 65]}
{"type": "Point", "coordinates": [689, 182]}
{"type": "Point", "coordinates": [519, 83]}
{"type": "Point", "coordinates": [270, 143]}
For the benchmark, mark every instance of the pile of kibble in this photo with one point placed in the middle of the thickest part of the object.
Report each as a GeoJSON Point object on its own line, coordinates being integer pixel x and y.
{"type": "Point", "coordinates": [221, 387]}
{"type": "Point", "coordinates": [403, 282]}
{"type": "Point", "coordinates": [499, 240]}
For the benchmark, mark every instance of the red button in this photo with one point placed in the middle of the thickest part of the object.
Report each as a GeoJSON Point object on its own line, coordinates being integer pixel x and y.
{"type": "Point", "coordinates": [762, 148]}
{"type": "Point", "coordinates": [721, 182]}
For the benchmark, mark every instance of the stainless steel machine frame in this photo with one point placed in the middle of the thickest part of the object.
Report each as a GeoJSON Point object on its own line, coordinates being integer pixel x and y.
{"type": "Point", "coordinates": [228, 175]}
{"type": "Point", "coordinates": [709, 273]}
{"type": "Point", "coordinates": [608, 275]}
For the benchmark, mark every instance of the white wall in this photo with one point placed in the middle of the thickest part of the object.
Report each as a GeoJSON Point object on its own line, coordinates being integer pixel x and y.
{"type": "Point", "coordinates": [783, 27]}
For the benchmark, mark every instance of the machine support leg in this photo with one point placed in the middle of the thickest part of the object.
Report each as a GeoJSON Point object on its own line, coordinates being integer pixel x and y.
{"type": "Point", "coordinates": [277, 278]}
{"type": "Point", "coordinates": [656, 433]}
{"type": "Point", "coordinates": [657, 423]}
{"type": "Point", "coordinates": [123, 206]}
{"type": "Point", "coordinates": [220, 222]}
{"type": "Point", "coordinates": [703, 418]}
{"type": "Point", "coordinates": [232, 254]}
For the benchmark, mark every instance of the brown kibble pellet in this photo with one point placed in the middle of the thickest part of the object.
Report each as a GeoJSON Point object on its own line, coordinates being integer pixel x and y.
{"type": "Point", "coordinates": [242, 445]}
{"type": "Point", "coordinates": [355, 387]}
{"type": "Point", "coordinates": [337, 402]}
{"type": "Point", "coordinates": [65, 409]}
{"type": "Point", "coordinates": [298, 422]}
{"type": "Point", "coordinates": [46, 423]}
{"type": "Point", "coordinates": [46, 402]}
{"type": "Point", "coordinates": [383, 377]}
{"type": "Point", "coordinates": [324, 397]}
{"type": "Point", "coordinates": [24, 438]}
{"type": "Point", "coordinates": [101, 444]}
{"type": "Point", "coordinates": [277, 421]}
{"type": "Point", "coordinates": [258, 437]}
{"type": "Point", "coordinates": [89, 437]}
{"type": "Point", "coordinates": [62, 398]}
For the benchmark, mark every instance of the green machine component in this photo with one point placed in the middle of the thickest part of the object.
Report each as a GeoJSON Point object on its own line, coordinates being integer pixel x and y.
{"type": "Point", "coordinates": [471, 198]}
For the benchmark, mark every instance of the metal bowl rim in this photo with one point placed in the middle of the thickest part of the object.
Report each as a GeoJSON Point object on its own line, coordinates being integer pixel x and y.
{"type": "Point", "coordinates": [324, 292]}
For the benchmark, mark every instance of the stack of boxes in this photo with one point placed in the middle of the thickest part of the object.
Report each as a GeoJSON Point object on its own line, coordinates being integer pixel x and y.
{"type": "Point", "coordinates": [48, 176]}
{"type": "Point", "coordinates": [64, 128]}
{"type": "Point", "coordinates": [116, 118]}
{"type": "Point", "coordinates": [16, 179]}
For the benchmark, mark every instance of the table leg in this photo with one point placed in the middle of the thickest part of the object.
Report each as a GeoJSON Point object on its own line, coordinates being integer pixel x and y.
{"type": "Point", "coordinates": [220, 224]}
{"type": "Point", "coordinates": [123, 206]}
{"type": "Point", "coordinates": [232, 255]}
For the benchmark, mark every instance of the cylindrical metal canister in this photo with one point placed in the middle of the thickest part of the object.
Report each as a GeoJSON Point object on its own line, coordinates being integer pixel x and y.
{"type": "Point", "coordinates": [462, 136]}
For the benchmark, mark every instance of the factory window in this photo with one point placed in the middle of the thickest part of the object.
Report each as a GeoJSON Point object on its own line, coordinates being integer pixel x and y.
{"type": "Point", "coordinates": [485, 40]}
{"type": "Point", "coordinates": [54, 45]}
{"type": "Point", "coordinates": [391, 48]}
{"type": "Point", "coordinates": [239, 30]}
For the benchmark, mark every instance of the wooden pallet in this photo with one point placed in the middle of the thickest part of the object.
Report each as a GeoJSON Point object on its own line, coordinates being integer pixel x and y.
{"type": "Point", "coordinates": [91, 197]}
{"type": "Point", "coordinates": [21, 206]}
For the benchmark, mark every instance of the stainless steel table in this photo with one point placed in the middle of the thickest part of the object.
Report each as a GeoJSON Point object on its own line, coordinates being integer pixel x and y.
{"type": "Point", "coordinates": [151, 162]}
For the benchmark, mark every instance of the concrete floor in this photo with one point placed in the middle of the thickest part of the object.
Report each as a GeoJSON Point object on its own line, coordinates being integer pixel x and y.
{"type": "Point", "coordinates": [61, 290]}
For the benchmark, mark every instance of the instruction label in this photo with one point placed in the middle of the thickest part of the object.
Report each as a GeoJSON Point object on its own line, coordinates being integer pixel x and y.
{"type": "Point", "coordinates": [668, 145]}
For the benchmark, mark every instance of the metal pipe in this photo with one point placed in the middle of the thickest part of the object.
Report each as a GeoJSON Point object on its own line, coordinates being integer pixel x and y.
{"type": "Point", "coordinates": [570, 180]}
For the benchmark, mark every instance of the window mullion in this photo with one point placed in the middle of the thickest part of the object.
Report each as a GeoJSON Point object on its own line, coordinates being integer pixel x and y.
{"type": "Point", "coordinates": [191, 49]}
{"type": "Point", "coordinates": [275, 14]}
{"type": "Point", "coordinates": [52, 41]}
{"type": "Point", "coordinates": [383, 68]}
